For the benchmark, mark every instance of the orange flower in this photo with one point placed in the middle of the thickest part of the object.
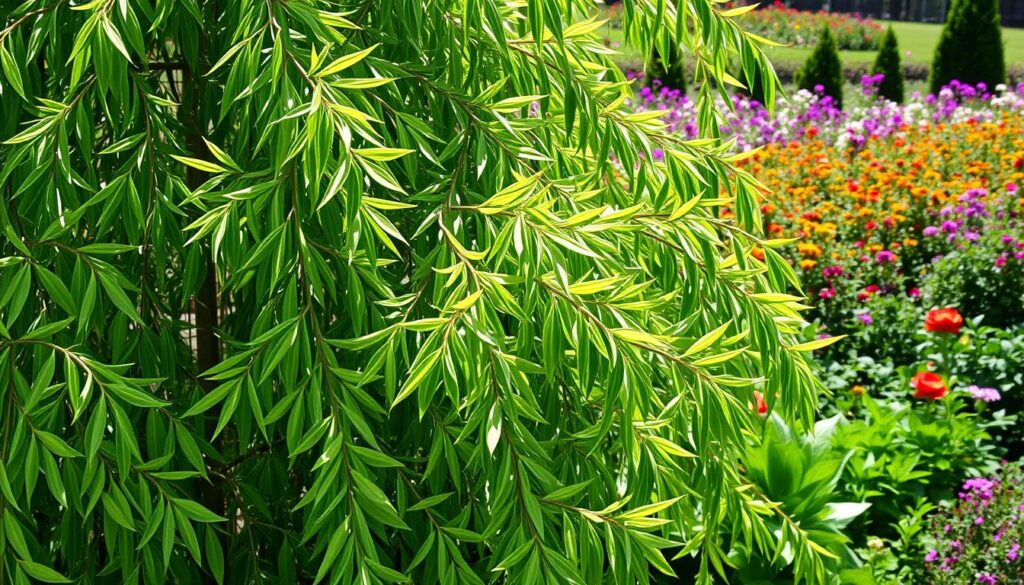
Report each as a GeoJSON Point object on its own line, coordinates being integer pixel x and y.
{"type": "Point", "coordinates": [929, 385]}
{"type": "Point", "coordinates": [947, 320]}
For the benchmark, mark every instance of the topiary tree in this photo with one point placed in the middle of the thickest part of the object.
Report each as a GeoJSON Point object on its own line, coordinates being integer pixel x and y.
{"type": "Point", "coordinates": [297, 292]}
{"type": "Point", "coordinates": [671, 72]}
{"type": "Point", "coordinates": [971, 47]}
{"type": "Point", "coordinates": [823, 69]}
{"type": "Point", "coordinates": [888, 64]}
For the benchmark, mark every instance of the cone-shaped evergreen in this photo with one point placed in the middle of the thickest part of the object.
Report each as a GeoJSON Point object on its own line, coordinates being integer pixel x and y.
{"type": "Point", "coordinates": [672, 74]}
{"type": "Point", "coordinates": [823, 67]}
{"type": "Point", "coordinates": [888, 64]}
{"type": "Point", "coordinates": [971, 46]}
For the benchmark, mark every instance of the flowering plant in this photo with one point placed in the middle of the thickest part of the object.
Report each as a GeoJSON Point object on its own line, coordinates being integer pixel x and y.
{"type": "Point", "coordinates": [947, 320]}
{"type": "Point", "coordinates": [929, 385]}
{"type": "Point", "coordinates": [799, 28]}
{"type": "Point", "coordinates": [978, 538]}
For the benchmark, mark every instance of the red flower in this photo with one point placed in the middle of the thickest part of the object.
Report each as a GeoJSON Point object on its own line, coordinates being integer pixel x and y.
{"type": "Point", "coordinates": [762, 406]}
{"type": "Point", "coordinates": [929, 385]}
{"type": "Point", "coordinates": [943, 321]}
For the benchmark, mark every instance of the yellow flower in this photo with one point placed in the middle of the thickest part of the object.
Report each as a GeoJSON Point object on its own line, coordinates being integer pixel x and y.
{"type": "Point", "coordinates": [808, 264]}
{"type": "Point", "coordinates": [858, 390]}
{"type": "Point", "coordinates": [809, 250]}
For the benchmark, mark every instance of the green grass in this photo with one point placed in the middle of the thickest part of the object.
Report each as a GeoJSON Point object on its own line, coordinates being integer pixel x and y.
{"type": "Point", "coordinates": [919, 39]}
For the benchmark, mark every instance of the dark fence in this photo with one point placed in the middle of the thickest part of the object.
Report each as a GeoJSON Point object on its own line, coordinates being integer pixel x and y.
{"type": "Point", "coordinates": [911, 10]}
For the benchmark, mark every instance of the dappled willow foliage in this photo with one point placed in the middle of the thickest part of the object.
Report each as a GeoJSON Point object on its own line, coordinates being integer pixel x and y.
{"type": "Point", "coordinates": [297, 290]}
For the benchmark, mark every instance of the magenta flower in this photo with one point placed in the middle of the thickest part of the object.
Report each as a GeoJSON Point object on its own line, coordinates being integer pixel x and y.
{"type": "Point", "coordinates": [885, 257]}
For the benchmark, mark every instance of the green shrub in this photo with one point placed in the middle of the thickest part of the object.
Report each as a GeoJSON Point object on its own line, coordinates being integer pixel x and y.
{"type": "Point", "coordinates": [971, 48]}
{"type": "Point", "coordinates": [823, 68]}
{"type": "Point", "coordinates": [888, 64]}
{"type": "Point", "coordinates": [801, 472]}
{"type": "Point", "coordinates": [671, 73]}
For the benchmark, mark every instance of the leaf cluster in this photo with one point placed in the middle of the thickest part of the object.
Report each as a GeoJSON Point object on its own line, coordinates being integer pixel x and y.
{"type": "Point", "coordinates": [375, 292]}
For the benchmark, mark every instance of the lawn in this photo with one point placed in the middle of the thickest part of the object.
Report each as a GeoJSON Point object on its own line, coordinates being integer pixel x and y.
{"type": "Point", "coordinates": [917, 39]}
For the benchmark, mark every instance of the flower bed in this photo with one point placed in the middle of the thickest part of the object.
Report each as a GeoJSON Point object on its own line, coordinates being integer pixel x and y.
{"type": "Point", "coordinates": [799, 28]}
{"type": "Point", "coordinates": [905, 225]}
{"type": "Point", "coordinates": [978, 539]}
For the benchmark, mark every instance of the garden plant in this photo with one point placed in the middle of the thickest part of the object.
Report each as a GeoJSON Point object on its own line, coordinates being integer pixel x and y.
{"type": "Point", "coordinates": [889, 66]}
{"type": "Point", "coordinates": [301, 292]}
{"type": "Point", "coordinates": [971, 46]}
{"type": "Point", "coordinates": [823, 71]}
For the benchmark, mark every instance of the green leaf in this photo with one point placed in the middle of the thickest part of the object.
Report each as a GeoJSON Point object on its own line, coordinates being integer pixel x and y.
{"type": "Point", "coordinates": [42, 572]}
{"type": "Point", "coordinates": [11, 72]}
{"type": "Point", "coordinates": [342, 63]}
{"type": "Point", "coordinates": [117, 296]}
{"type": "Point", "coordinates": [196, 511]}
{"type": "Point", "coordinates": [55, 444]}
{"type": "Point", "coordinates": [202, 165]}
{"type": "Point", "coordinates": [816, 344]}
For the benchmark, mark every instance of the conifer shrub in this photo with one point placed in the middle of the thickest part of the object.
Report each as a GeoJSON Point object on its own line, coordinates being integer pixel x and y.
{"type": "Point", "coordinates": [888, 64]}
{"type": "Point", "coordinates": [971, 47]}
{"type": "Point", "coordinates": [823, 71]}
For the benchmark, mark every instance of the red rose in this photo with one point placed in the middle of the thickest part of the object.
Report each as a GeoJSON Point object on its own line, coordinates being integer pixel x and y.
{"type": "Point", "coordinates": [762, 406]}
{"type": "Point", "coordinates": [943, 321]}
{"type": "Point", "coordinates": [929, 385]}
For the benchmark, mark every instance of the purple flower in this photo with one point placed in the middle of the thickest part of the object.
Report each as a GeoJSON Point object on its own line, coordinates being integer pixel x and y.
{"type": "Point", "coordinates": [985, 579]}
{"type": "Point", "coordinates": [929, 231]}
{"type": "Point", "coordinates": [983, 394]}
{"type": "Point", "coordinates": [865, 318]}
{"type": "Point", "coordinates": [972, 236]}
{"type": "Point", "coordinates": [1014, 552]}
{"type": "Point", "coordinates": [931, 556]}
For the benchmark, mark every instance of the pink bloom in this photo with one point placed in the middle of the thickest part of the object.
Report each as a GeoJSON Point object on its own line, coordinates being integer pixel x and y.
{"type": "Point", "coordinates": [885, 257]}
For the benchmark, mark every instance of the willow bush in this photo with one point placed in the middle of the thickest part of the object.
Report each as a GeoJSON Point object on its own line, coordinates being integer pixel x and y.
{"type": "Point", "coordinates": [305, 291]}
